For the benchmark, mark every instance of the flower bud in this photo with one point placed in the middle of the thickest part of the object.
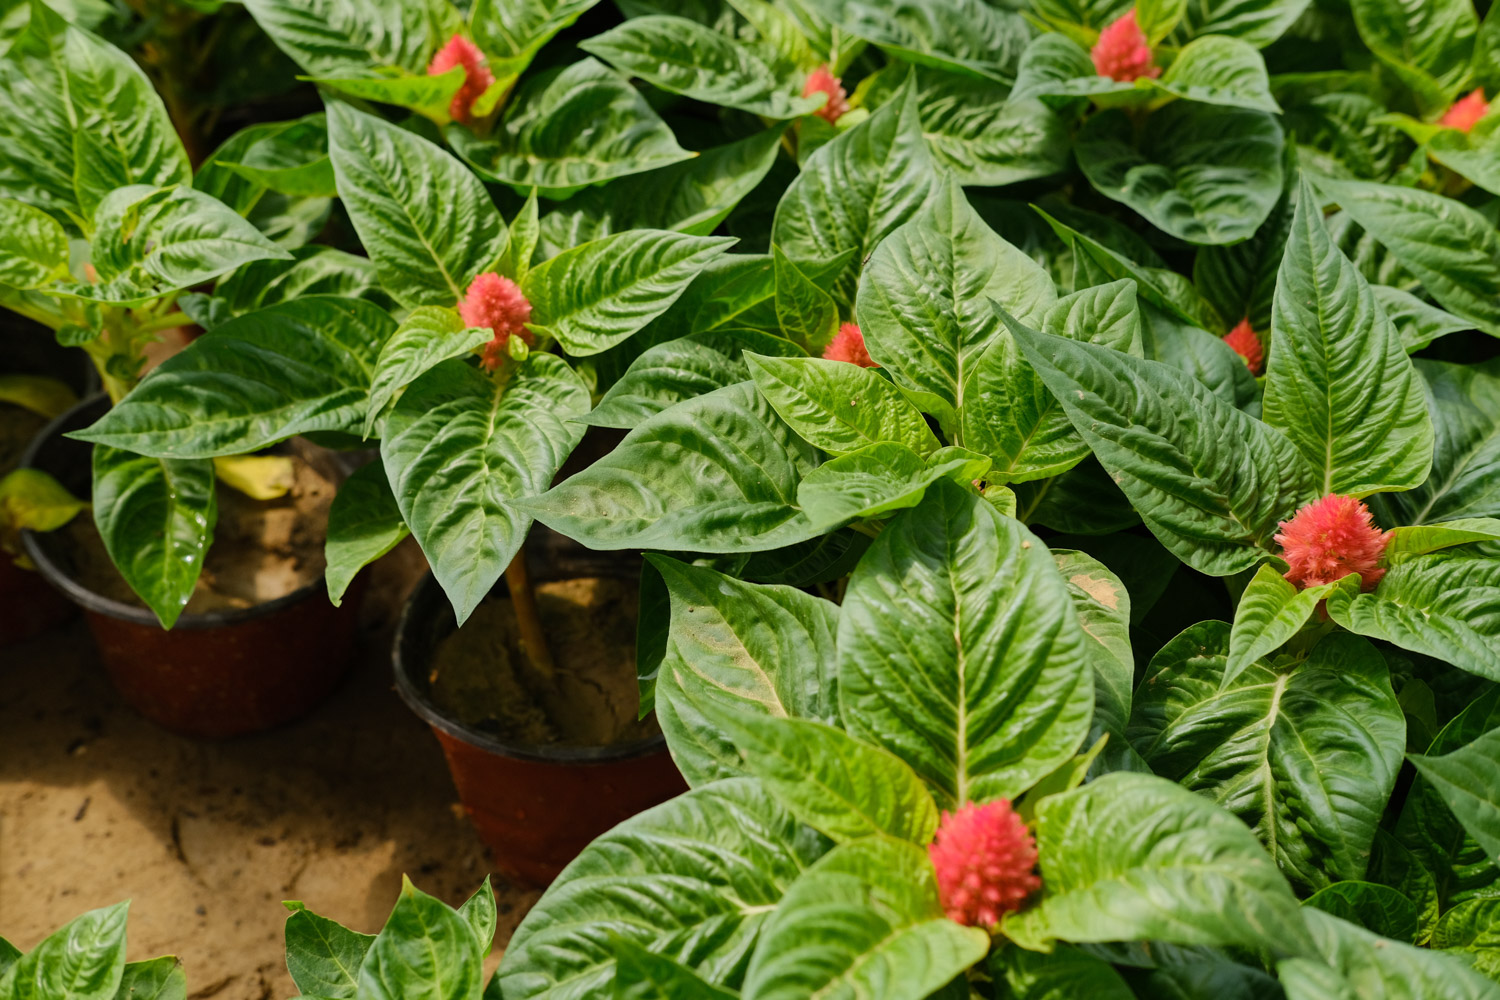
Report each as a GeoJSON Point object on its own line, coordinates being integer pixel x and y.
{"type": "Point", "coordinates": [822, 80]}
{"type": "Point", "coordinates": [1247, 345]}
{"type": "Point", "coordinates": [1122, 52]}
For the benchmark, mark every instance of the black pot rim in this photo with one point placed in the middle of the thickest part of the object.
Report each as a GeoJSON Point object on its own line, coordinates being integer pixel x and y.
{"type": "Point", "coordinates": [108, 606]}
{"type": "Point", "coordinates": [418, 701]}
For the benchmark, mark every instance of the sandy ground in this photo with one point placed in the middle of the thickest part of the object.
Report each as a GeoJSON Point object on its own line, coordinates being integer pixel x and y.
{"type": "Point", "coordinates": [96, 805]}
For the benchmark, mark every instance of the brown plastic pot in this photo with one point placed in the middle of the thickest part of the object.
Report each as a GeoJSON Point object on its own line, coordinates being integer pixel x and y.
{"type": "Point", "coordinates": [215, 675]}
{"type": "Point", "coordinates": [535, 807]}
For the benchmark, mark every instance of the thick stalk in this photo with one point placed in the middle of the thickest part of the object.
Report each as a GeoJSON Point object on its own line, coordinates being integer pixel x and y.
{"type": "Point", "coordinates": [523, 599]}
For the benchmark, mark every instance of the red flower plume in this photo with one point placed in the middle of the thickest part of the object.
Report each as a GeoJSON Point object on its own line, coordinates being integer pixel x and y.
{"type": "Point", "coordinates": [477, 76]}
{"type": "Point", "coordinates": [985, 860]}
{"type": "Point", "coordinates": [1330, 538]}
{"type": "Point", "coordinates": [496, 302]}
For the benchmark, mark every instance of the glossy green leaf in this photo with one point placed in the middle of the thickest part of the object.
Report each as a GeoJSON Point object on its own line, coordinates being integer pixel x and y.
{"type": "Point", "coordinates": [1259, 22]}
{"type": "Point", "coordinates": [1444, 604]}
{"type": "Point", "coordinates": [37, 122]}
{"type": "Point", "coordinates": [1057, 67]}
{"type": "Point", "coordinates": [953, 603]}
{"type": "Point", "coordinates": [1338, 382]}
{"type": "Point", "coordinates": [839, 407]}
{"type": "Point", "coordinates": [350, 37]}
{"type": "Point", "coordinates": [964, 36]}
{"type": "Point", "coordinates": [364, 523]}
{"type": "Point", "coordinates": [1377, 908]}
{"type": "Point", "coordinates": [853, 191]}
{"type": "Point", "coordinates": [1133, 856]}
{"type": "Point", "coordinates": [156, 517]}
{"type": "Point", "coordinates": [425, 220]}
{"type": "Point", "coordinates": [1306, 755]}
{"type": "Point", "coordinates": [1452, 249]}
{"type": "Point", "coordinates": [312, 270]}
{"type": "Point", "coordinates": [322, 955]}
{"type": "Point", "coordinates": [1360, 965]}
{"type": "Point", "coordinates": [427, 336]}
{"type": "Point", "coordinates": [82, 961]}
{"type": "Point", "coordinates": [567, 129]}
{"type": "Point", "coordinates": [291, 158]}
{"type": "Point", "coordinates": [745, 647]}
{"type": "Point", "coordinates": [460, 448]}
{"type": "Point", "coordinates": [684, 57]}
{"type": "Point", "coordinates": [863, 921]}
{"type": "Point", "coordinates": [1418, 322]}
{"type": "Point", "coordinates": [645, 975]}
{"type": "Point", "coordinates": [1406, 541]}
{"type": "Point", "coordinates": [805, 312]}
{"type": "Point", "coordinates": [924, 304]}
{"type": "Point", "coordinates": [1464, 402]}
{"type": "Point", "coordinates": [33, 246]}
{"type": "Point", "coordinates": [425, 951]}
{"type": "Point", "coordinates": [1212, 487]}
{"type": "Point", "coordinates": [1472, 929]}
{"type": "Point", "coordinates": [1467, 779]}
{"type": "Point", "coordinates": [516, 29]}
{"type": "Point", "coordinates": [879, 480]}
{"type": "Point", "coordinates": [716, 473]}
{"type": "Point", "coordinates": [481, 914]}
{"type": "Point", "coordinates": [157, 979]}
{"type": "Point", "coordinates": [1103, 607]}
{"type": "Point", "coordinates": [1202, 173]}
{"type": "Point", "coordinates": [1271, 611]}
{"type": "Point", "coordinates": [694, 879]}
{"type": "Point", "coordinates": [428, 95]}
{"type": "Point", "coordinates": [292, 368]}
{"type": "Point", "coordinates": [1217, 69]}
{"type": "Point", "coordinates": [594, 296]}
{"type": "Point", "coordinates": [681, 369]}
{"type": "Point", "coordinates": [1427, 43]}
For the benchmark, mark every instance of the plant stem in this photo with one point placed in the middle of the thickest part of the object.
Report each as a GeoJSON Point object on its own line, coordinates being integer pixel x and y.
{"type": "Point", "coordinates": [523, 599]}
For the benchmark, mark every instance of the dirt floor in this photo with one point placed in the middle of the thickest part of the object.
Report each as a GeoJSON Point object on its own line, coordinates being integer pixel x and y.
{"type": "Point", "coordinates": [96, 805]}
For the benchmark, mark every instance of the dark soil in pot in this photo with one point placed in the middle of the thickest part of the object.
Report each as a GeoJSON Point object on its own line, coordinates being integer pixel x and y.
{"type": "Point", "coordinates": [543, 766]}
{"type": "Point", "coordinates": [259, 644]}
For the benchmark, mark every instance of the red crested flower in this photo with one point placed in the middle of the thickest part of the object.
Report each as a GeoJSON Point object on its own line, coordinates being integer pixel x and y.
{"type": "Point", "coordinates": [985, 860]}
{"type": "Point", "coordinates": [1330, 538]}
{"type": "Point", "coordinates": [1466, 111]}
{"type": "Point", "coordinates": [822, 81]}
{"type": "Point", "coordinates": [1247, 345]}
{"type": "Point", "coordinates": [477, 76]}
{"type": "Point", "coordinates": [496, 302]}
{"type": "Point", "coordinates": [849, 345]}
{"type": "Point", "coordinates": [1122, 52]}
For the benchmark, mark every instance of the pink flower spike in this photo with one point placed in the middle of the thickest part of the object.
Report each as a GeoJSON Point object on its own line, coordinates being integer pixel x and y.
{"type": "Point", "coordinates": [985, 860]}
{"type": "Point", "coordinates": [1330, 538]}
{"type": "Point", "coordinates": [477, 76]}
{"type": "Point", "coordinates": [849, 345]}
{"type": "Point", "coordinates": [1466, 111]}
{"type": "Point", "coordinates": [496, 302]}
{"type": "Point", "coordinates": [822, 80]}
{"type": "Point", "coordinates": [1247, 345]}
{"type": "Point", "coordinates": [1122, 52]}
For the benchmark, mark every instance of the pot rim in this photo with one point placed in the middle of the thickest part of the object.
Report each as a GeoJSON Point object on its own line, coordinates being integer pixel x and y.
{"type": "Point", "coordinates": [108, 606]}
{"type": "Point", "coordinates": [418, 701]}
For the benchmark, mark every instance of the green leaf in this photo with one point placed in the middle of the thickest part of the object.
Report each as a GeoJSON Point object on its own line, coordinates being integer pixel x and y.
{"type": "Point", "coordinates": [149, 241]}
{"type": "Point", "coordinates": [1205, 174]}
{"type": "Point", "coordinates": [350, 37]}
{"type": "Point", "coordinates": [291, 158]}
{"type": "Point", "coordinates": [835, 784]}
{"type": "Point", "coordinates": [460, 447]}
{"type": "Point", "coordinates": [83, 961]}
{"type": "Point", "coordinates": [288, 369]}
{"type": "Point", "coordinates": [480, 913]}
{"type": "Point", "coordinates": [694, 879]}
{"type": "Point", "coordinates": [963, 36]}
{"type": "Point", "coordinates": [1211, 486]}
{"type": "Point", "coordinates": [1430, 41]}
{"type": "Point", "coordinates": [1443, 604]}
{"type": "Point", "coordinates": [33, 246]}
{"type": "Point", "coordinates": [1338, 383]}
{"type": "Point", "coordinates": [364, 523]}
{"type": "Point", "coordinates": [156, 517]}
{"type": "Point", "coordinates": [953, 603]}
{"type": "Point", "coordinates": [1418, 322]}
{"type": "Point", "coordinates": [1216, 69]}
{"type": "Point", "coordinates": [1103, 607]}
{"type": "Point", "coordinates": [744, 647]}
{"type": "Point", "coordinates": [716, 473]}
{"type": "Point", "coordinates": [838, 407]}
{"type": "Point", "coordinates": [517, 29]}
{"type": "Point", "coordinates": [157, 979]}
{"type": "Point", "coordinates": [805, 312]}
{"type": "Point", "coordinates": [1061, 974]}
{"type": "Point", "coordinates": [1466, 778]}
{"type": "Point", "coordinates": [645, 975]}
{"type": "Point", "coordinates": [1452, 249]}
{"type": "Point", "coordinates": [1240, 280]}
{"type": "Point", "coordinates": [1360, 965]}
{"type": "Point", "coordinates": [594, 296]}
{"type": "Point", "coordinates": [1306, 755]}
{"type": "Point", "coordinates": [923, 304]}
{"type": "Point", "coordinates": [33, 500]}
{"type": "Point", "coordinates": [1464, 403]}
{"type": "Point", "coordinates": [1377, 908]}
{"type": "Point", "coordinates": [1057, 67]}
{"type": "Point", "coordinates": [37, 122]}
{"type": "Point", "coordinates": [427, 337]}
{"type": "Point", "coordinates": [323, 956]}
{"type": "Point", "coordinates": [1405, 541]}
{"type": "Point", "coordinates": [312, 270]}
{"type": "Point", "coordinates": [1271, 611]}
{"type": "Point", "coordinates": [425, 220]}
{"type": "Point", "coordinates": [1133, 856]}
{"type": "Point", "coordinates": [1009, 414]}
{"type": "Point", "coordinates": [122, 133]}
{"type": "Point", "coordinates": [521, 248]}
{"type": "Point", "coordinates": [429, 96]}
{"type": "Point", "coordinates": [880, 479]}
{"type": "Point", "coordinates": [681, 369]}
{"type": "Point", "coordinates": [684, 57]}
{"type": "Point", "coordinates": [853, 191]}
{"type": "Point", "coordinates": [564, 130]}
{"type": "Point", "coordinates": [1259, 22]}
{"type": "Point", "coordinates": [425, 951]}
{"type": "Point", "coordinates": [1472, 929]}
{"type": "Point", "coordinates": [1471, 154]}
